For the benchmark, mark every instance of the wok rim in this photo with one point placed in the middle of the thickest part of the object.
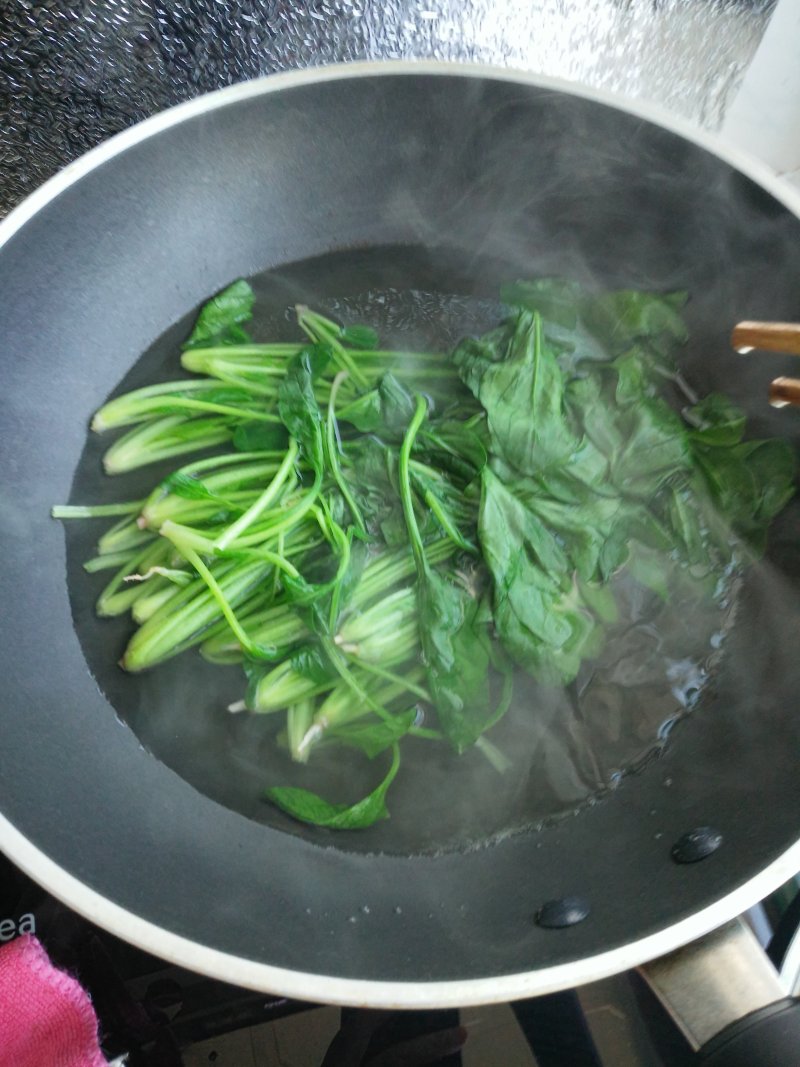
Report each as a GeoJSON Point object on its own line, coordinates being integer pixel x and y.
{"type": "Point", "coordinates": [363, 993]}
{"type": "Point", "coordinates": [331, 989]}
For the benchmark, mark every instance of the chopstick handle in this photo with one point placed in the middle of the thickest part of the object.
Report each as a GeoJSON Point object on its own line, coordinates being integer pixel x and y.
{"type": "Point", "coordinates": [770, 336]}
{"type": "Point", "coordinates": [784, 391]}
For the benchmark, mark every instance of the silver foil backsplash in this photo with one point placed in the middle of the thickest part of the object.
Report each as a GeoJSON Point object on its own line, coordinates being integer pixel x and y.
{"type": "Point", "coordinates": [72, 74]}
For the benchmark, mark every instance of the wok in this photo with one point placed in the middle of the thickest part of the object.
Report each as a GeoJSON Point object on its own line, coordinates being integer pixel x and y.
{"type": "Point", "coordinates": [449, 179]}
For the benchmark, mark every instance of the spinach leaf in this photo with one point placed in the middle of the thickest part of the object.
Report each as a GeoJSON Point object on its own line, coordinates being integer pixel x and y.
{"type": "Point", "coordinates": [596, 328]}
{"type": "Point", "coordinates": [451, 439]}
{"type": "Point", "coordinates": [649, 567]}
{"type": "Point", "coordinates": [635, 371]}
{"type": "Point", "coordinates": [595, 413]}
{"type": "Point", "coordinates": [219, 320]}
{"type": "Point", "coordinates": [456, 651]}
{"type": "Point", "coordinates": [299, 411]}
{"type": "Point", "coordinates": [259, 437]}
{"type": "Point", "coordinates": [568, 527]}
{"type": "Point", "coordinates": [509, 504]}
{"type": "Point", "coordinates": [311, 662]}
{"type": "Point", "coordinates": [330, 578]}
{"type": "Point", "coordinates": [523, 396]}
{"type": "Point", "coordinates": [318, 357]}
{"type": "Point", "coordinates": [393, 528]}
{"type": "Point", "coordinates": [491, 347]}
{"type": "Point", "coordinates": [358, 336]}
{"type": "Point", "coordinates": [556, 299]}
{"type": "Point", "coordinates": [773, 465]}
{"type": "Point", "coordinates": [717, 421]}
{"type": "Point", "coordinates": [622, 318]}
{"type": "Point", "coordinates": [191, 488]}
{"type": "Point", "coordinates": [364, 412]}
{"type": "Point", "coordinates": [310, 808]}
{"type": "Point", "coordinates": [372, 738]}
{"type": "Point", "coordinates": [644, 441]}
{"type": "Point", "coordinates": [348, 581]}
{"type": "Point", "coordinates": [386, 409]}
{"type": "Point", "coordinates": [397, 405]}
{"type": "Point", "coordinates": [448, 507]}
{"type": "Point", "coordinates": [748, 484]}
{"type": "Point", "coordinates": [453, 627]}
{"type": "Point", "coordinates": [539, 615]}
{"type": "Point", "coordinates": [600, 599]}
{"type": "Point", "coordinates": [655, 448]}
{"type": "Point", "coordinates": [370, 477]}
{"type": "Point", "coordinates": [687, 527]}
{"type": "Point", "coordinates": [303, 593]}
{"type": "Point", "coordinates": [584, 530]}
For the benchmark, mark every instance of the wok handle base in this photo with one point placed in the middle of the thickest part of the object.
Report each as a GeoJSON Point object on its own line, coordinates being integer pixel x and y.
{"type": "Point", "coordinates": [715, 981]}
{"type": "Point", "coordinates": [769, 1037]}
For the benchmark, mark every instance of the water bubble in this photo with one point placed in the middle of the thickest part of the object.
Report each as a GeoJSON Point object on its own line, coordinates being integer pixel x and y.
{"type": "Point", "coordinates": [665, 728]}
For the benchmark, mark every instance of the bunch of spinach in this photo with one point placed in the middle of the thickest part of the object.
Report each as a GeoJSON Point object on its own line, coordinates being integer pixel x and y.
{"type": "Point", "coordinates": [373, 542]}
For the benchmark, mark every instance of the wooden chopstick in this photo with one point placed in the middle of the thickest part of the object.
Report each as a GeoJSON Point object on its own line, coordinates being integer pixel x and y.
{"type": "Point", "coordinates": [784, 391]}
{"type": "Point", "coordinates": [772, 337]}
{"type": "Point", "coordinates": [769, 336]}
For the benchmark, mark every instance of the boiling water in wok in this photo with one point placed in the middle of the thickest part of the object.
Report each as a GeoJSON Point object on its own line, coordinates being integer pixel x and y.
{"type": "Point", "coordinates": [566, 746]}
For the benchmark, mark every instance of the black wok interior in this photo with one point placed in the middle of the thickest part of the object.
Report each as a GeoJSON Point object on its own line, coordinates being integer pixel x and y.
{"type": "Point", "coordinates": [447, 184]}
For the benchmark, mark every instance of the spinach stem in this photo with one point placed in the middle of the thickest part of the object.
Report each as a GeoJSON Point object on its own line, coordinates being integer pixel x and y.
{"type": "Point", "coordinates": [504, 703]}
{"type": "Point", "coordinates": [192, 557]}
{"type": "Point", "coordinates": [105, 563]}
{"type": "Point", "coordinates": [263, 502]}
{"type": "Point", "coordinates": [496, 758]}
{"type": "Point", "coordinates": [449, 528]}
{"type": "Point", "coordinates": [275, 577]}
{"type": "Point", "coordinates": [252, 387]}
{"type": "Point", "coordinates": [163, 438]}
{"type": "Point", "coordinates": [426, 732]}
{"type": "Point", "coordinates": [404, 480]}
{"type": "Point", "coordinates": [277, 559]}
{"type": "Point", "coordinates": [220, 409]}
{"type": "Point", "coordinates": [345, 543]}
{"type": "Point", "coordinates": [115, 597]}
{"type": "Point", "coordinates": [333, 446]}
{"type": "Point", "coordinates": [341, 668]}
{"type": "Point", "coordinates": [298, 719]}
{"type": "Point", "coordinates": [95, 511]}
{"type": "Point", "coordinates": [317, 327]}
{"type": "Point", "coordinates": [390, 676]}
{"type": "Point", "coordinates": [210, 462]}
{"type": "Point", "coordinates": [291, 517]}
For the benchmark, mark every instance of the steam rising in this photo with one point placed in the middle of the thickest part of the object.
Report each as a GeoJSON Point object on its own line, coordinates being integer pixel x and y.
{"type": "Point", "coordinates": [93, 77]}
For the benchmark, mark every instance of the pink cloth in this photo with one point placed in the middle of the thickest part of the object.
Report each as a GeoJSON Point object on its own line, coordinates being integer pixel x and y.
{"type": "Point", "coordinates": [46, 1018]}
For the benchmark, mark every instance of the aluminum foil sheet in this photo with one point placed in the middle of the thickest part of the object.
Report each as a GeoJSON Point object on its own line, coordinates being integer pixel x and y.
{"type": "Point", "coordinates": [73, 72]}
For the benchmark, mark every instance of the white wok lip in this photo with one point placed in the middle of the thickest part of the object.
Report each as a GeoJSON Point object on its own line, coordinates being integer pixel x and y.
{"type": "Point", "coordinates": [330, 989]}
{"type": "Point", "coordinates": [352, 992]}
